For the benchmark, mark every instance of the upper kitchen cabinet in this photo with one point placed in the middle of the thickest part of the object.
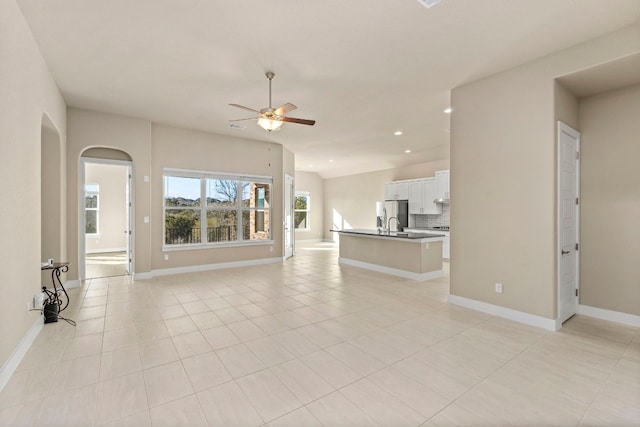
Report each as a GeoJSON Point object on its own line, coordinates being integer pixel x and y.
{"type": "Point", "coordinates": [397, 190]}
{"type": "Point", "coordinates": [422, 193]}
{"type": "Point", "coordinates": [442, 185]}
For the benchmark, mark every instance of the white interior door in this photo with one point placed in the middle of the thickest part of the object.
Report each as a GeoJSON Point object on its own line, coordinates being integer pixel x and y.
{"type": "Point", "coordinates": [568, 220]}
{"type": "Point", "coordinates": [288, 216]}
{"type": "Point", "coordinates": [129, 217]}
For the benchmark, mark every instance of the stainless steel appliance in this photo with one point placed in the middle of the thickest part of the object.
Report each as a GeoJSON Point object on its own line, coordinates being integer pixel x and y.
{"type": "Point", "coordinates": [392, 215]}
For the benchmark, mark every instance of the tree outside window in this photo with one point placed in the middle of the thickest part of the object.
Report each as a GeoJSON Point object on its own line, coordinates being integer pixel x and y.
{"type": "Point", "coordinates": [301, 211]}
{"type": "Point", "coordinates": [91, 194]}
{"type": "Point", "coordinates": [206, 208]}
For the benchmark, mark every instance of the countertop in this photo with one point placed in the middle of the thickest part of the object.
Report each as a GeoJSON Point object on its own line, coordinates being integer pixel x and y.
{"type": "Point", "coordinates": [426, 230]}
{"type": "Point", "coordinates": [393, 234]}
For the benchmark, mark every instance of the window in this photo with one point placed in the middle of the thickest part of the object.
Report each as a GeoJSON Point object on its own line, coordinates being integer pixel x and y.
{"type": "Point", "coordinates": [301, 211]}
{"type": "Point", "coordinates": [204, 208]}
{"type": "Point", "coordinates": [91, 204]}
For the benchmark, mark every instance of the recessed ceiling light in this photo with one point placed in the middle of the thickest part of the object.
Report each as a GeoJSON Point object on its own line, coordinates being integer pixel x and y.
{"type": "Point", "coordinates": [448, 110]}
{"type": "Point", "coordinates": [330, 160]}
{"type": "Point", "coordinates": [407, 151]}
{"type": "Point", "coordinates": [398, 133]}
{"type": "Point", "coordinates": [310, 166]}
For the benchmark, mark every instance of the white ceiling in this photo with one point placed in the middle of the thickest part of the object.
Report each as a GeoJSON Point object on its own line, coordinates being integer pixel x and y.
{"type": "Point", "coordinates": [362, 68]}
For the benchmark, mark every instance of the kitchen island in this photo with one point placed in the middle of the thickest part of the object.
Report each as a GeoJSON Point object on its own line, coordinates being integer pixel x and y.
{"type": "Point", "coordinates": [416, 256]}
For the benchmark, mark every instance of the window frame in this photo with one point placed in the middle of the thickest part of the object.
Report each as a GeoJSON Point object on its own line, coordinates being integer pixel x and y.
{"type": "Point", "coordinates": [307, 211]}
{"type": "Point", "coordinates": [96, 209]}
{"type": "Point", "coordinates": [203, 208]}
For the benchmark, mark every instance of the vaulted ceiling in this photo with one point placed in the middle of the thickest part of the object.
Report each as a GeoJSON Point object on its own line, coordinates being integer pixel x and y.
{"type": "Point", "coordinates": [362, 68]}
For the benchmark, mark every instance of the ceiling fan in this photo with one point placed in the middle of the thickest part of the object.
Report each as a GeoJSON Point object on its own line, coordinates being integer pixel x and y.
{"type": "Point", "coordinates": [271, 119]}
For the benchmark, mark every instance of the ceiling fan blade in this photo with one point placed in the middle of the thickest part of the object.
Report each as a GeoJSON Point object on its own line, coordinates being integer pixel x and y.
{"type": "Point", "coordinates": [245, 108]}
{"type": "Point", "coordinates": [299, 121]}
{"type": "Point", "coordinates": [284, 109]}
{"type": "Point", "coordinates": [248, 118]}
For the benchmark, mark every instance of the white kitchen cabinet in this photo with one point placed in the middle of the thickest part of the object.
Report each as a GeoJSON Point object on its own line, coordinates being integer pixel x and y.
{"type": "Point", "coordinates": [422, 193]}
{"type": "Point", "coordinates": [397, 190]}
{"type": "Point", "coordinates": [442, 185]}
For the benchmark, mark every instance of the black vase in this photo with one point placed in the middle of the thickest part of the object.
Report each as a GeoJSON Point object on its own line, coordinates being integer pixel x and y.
{"type": "Point", "coordinates": [50, 312]}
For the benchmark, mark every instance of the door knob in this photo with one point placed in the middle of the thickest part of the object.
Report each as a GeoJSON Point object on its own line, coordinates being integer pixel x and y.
{"type": "Point", "coordinates": [565, 252]}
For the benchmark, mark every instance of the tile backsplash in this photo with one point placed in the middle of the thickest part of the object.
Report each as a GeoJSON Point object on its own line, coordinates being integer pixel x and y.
{"type": "Point", "coordinates": [428, 221]}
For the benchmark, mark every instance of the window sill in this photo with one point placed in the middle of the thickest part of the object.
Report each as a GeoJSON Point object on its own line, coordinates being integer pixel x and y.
{"type": "Point", "coordinates": [92, 236]}
{"type": "Point", "coordinates": [201, 246]}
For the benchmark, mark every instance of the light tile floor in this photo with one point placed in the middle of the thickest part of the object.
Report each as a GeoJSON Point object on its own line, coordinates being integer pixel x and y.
{"type": "Point", "coordinates": [310, 343]}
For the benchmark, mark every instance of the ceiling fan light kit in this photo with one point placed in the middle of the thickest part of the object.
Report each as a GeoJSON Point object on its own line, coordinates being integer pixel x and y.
{"type": "Point", "coordinates": [271, 119]}
{"type": "Point", "coordinates": [269, 124]}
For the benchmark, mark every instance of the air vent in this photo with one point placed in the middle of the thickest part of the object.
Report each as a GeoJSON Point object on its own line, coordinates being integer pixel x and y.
{"type": "Point", "coordinates": [235, 126]}
{"type": "Point", "coordinates": [428, 3]}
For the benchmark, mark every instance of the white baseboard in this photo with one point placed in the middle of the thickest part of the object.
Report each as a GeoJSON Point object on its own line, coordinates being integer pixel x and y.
{"type": "Point", "coordinates": [143, 276]}
{"type": "Point", "coordinates": [610, 315]}
{"type": "Point", "coordinates": [105, 250]}
{"type": "Point", "coordinates": [393, 271]}
{"type": "Point", "coordinates": [207, 267]}
{"type": "Point", "coordinates": [507, 313]}
{"type": "Point", "coordinates": [70, 284]}
{"type": "Point", "coordinates": [14, 360]}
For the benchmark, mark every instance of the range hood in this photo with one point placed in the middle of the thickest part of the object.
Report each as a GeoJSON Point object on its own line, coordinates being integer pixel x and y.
{"type": "Point", "coordinates": [441, 201]}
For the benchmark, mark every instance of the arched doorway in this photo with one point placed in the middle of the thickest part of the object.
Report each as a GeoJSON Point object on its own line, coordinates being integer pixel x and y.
{"type": "Point", "coordinates": [52, 234]}
{"type": "Point", "coordinates": [105, 213]}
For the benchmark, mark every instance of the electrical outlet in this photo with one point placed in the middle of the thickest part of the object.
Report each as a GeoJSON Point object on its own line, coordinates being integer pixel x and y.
{"type": "Point", "coordinates": [166, 257]}
{"type": "Point", "coordinates": [270, 248]}
{"type": "Point", "coordinates": [27, 307]}
{"type": "Point", "coordinates": [498, 288]}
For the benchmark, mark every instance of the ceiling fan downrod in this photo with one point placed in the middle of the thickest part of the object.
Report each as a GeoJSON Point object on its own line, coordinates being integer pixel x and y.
{"type": "Point", "coordinates": [270, 75]}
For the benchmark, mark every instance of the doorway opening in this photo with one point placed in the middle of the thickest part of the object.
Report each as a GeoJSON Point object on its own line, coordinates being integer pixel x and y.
{"type": "Point", "coordinates": [105, 218]}
{"type": "Point", "coordinates": [52, 244]}
{"type": "Point", "coordinates": [289, 192]}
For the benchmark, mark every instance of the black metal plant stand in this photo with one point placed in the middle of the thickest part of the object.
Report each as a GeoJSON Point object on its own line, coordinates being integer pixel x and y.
{"type": "Point", "coordinates": [54, 303]}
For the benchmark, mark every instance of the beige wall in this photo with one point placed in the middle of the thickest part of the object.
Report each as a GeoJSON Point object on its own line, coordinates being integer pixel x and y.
{"type": "Point", "coordinates": [503, 153]}
{"type": "Point", "coordinates": [112, 213]}
{"type": "Point", "coordinates": [29, 94]}
{"type": "Point", "coordinates": [350, 201]}
{"type": "Point", "coordinates": [89, 129]}
{"type": "Point", "coordinates": [178, 148]}
{"type": "Point", "coordinates": [313, 184]}
{"type": "Point", "coordinates": [610, 193]}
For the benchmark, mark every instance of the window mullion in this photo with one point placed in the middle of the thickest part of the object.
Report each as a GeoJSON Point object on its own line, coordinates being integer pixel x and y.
{"type": "Point", "coordinates": [239, 222]}
{"type": "Point", "coordinates": [204, 238]}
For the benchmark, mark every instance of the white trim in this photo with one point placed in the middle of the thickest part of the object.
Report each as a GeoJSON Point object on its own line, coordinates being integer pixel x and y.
{"type": "Point", "coordinates": [214, 245]}
{"type": "Point", "coordinates": [81, 207]}
{"type": "Point", "coordinates": [610, 315]}
{"type": "Point", "coordinates": [16, 357]}
{"type": "Point", "coordinates": [143, 276]}
{"type": "Point", "coordinates": [70, 284]}
{"type": "Point", "coordinates": [105, 250]}
{"type": "Point", "coordinates": [507, 313]}
{"type": "Point", "coordinates": [207, 267]}
{"type": "Point", "coordinates": [393, 271]}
